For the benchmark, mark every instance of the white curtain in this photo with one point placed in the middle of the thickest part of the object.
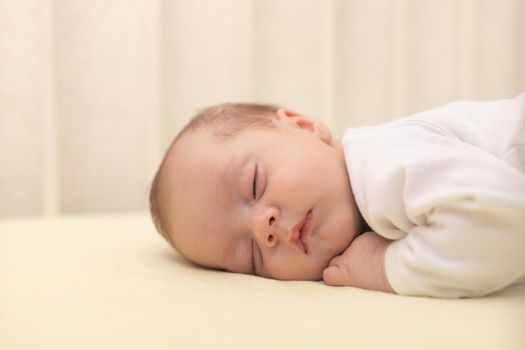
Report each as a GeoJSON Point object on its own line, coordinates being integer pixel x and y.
{"type": "Point", "coordinates": [92, 91]}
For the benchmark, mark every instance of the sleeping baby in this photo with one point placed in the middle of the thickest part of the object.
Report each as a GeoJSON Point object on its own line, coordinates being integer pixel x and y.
{"type": "Point", "coordinates": [430, 205]}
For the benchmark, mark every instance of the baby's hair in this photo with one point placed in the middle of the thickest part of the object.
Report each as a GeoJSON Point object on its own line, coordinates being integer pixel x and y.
{"type": "Point", "coordinates": [226, 120]}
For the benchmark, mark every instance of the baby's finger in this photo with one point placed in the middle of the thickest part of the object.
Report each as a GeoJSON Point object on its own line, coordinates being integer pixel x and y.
{"type": "Point", "coordinates": [335, 261]}
{"type": "Point", "coordinates": [333, 276]}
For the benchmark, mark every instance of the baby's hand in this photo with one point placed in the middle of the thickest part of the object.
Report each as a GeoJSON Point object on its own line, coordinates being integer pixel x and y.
{"type": "Point", "coordinates": [361, 264]}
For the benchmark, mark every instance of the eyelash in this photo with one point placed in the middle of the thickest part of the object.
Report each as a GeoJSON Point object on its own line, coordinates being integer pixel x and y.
{"type": "Point", "coordinates": [254, 185]}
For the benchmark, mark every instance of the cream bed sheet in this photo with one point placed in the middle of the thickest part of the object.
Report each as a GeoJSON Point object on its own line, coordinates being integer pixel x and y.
{"type": "Point", "coordinates": [110, 282]}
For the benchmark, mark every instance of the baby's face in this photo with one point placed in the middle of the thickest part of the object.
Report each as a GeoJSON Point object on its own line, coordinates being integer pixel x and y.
{"type": "Point", "coordinates": [272, 202]}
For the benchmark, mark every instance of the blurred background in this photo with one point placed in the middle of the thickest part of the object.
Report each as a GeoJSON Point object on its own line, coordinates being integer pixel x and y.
{"type": "Point", "coordinates": [93, 91]}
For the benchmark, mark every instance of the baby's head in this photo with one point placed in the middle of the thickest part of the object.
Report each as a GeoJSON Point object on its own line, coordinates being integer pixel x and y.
{"type": "Point", "coordinates": [256, 189]}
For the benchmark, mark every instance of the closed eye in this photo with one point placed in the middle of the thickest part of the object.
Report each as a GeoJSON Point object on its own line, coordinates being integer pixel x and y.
{"type": "Point", "coordinates": [254, 185]}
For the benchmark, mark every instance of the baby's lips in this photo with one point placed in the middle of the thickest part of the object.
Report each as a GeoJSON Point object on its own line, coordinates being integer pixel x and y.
{"type": "Point", "coordinates": [300, 231]}
{"type": "Point", "coordinates": [297, 232]}
{"type": "Point", "coordinates": [306, 229]}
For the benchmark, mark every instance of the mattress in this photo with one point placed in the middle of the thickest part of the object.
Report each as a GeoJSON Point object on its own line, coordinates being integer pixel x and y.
{"type": "Point", "coordinates": [111, 282]}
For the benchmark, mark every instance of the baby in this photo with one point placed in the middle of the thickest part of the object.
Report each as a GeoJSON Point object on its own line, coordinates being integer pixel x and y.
{"type": "Point", "coordinates": [431, 205]}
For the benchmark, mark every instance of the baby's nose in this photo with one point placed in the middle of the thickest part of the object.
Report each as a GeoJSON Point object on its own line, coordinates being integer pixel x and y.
{"type": "Point", "coordinates": [264, 226]}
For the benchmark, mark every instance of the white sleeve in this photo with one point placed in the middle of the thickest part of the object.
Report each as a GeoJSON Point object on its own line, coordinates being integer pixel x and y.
{"type": "Point", "coordinates": [471, 241]}
{"type": "Point", "coordinates": [456, 212]}
{"type": "Point", "coordinates": [470, 247]}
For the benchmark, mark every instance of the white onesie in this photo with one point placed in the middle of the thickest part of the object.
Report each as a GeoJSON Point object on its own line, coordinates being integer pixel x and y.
{"type": "Point", "coordinates": [448, 185]}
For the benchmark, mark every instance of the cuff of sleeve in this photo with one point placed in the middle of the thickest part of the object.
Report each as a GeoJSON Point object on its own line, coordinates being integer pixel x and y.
{"type": "Point", "coordinates": [400, 278]}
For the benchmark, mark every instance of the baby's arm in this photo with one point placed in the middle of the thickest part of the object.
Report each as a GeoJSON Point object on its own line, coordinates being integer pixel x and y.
{"type": "Point", "coordinates": [470, 247]}
{"type": "Point", "coordinates": [361, 265]}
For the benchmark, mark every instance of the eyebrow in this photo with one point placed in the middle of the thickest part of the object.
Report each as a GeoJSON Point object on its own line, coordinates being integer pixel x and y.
{"type": "Point", "coordinates": [233, 171]}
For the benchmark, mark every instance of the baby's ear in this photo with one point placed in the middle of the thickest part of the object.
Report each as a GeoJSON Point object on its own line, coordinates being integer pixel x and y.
{"type": "Point", "coordinates": [293, 119]}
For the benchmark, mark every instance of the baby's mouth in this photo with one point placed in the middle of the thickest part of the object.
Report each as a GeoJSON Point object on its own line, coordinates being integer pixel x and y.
{"type": "Point", "coordinates": [306, 230]}
{"type": "Point", "coordinates": [301, 232]}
